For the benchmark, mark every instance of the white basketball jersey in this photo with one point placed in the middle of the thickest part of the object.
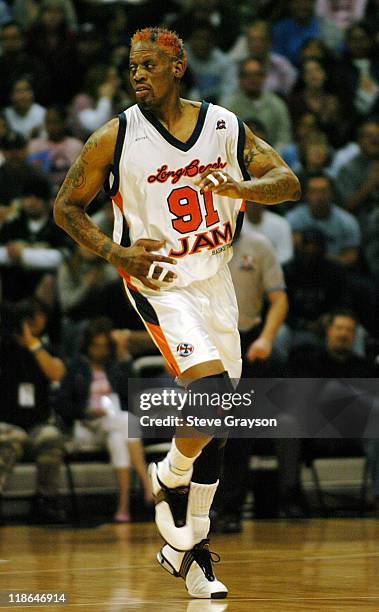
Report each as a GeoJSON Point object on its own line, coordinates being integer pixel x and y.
{"type": "Point", "coordinates": [153, 189]}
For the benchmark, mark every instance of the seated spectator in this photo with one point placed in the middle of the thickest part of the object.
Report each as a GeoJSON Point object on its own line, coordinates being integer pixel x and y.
{"type": "Point", "coordinates": [313, 92]}
{"type": "Point", "coordinates": [213, 71]}
{"type": "Point", "coordinates": [250, 101]}
{"type": "Point", "coordinates": [257, 276]}
{"type": "Point", "coordinates": [337, 359]}
{"type": "Point", "coordinates": [27, 370]}
{"type": "Point", "coordinates": [14, 170]}
{"type": "Point", "coordinates": [24, 116]}
{"type": "Point", "coordinates": [31, 244]}
{"type": "Point", "coordinates": [26, 13]}
{"type": "Point", "coordinates": [57, 151]}
{"type": "Point", "coordinates": [276, 228]}
{"type": "Point", "coordinates": [289, 34]}
{"type": "Point", "coordinates": [221, 15]}
{"type": "Point", "coordinates": [256, 42]}
{"type": "Point", "coordinates": [317, 157]}
{"type": "Point", "coordinates": [340, 228]}
{"type": "Point", "coordinates": [53, 42]}
{"type": "Point", "coordinates": [359, 70]}
{"type": "Point", "coordinates": [14, 54]}
{"type": "Point", "coordinates": [97, 102]}
{"type": "Point", "coordinates": [343, 13]}
{"type": "Point", "coordinates": [95, 393]}
{"type": "Point", "coordinates": [358, 179]}
{"type": "Point", "coordinates": [315, 286]}
{"type": "Point", "coordinates": [294, 152]}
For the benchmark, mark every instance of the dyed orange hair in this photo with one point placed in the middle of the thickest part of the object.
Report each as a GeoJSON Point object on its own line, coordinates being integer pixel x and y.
{"type": "Point", "coordinates": [168, 41]}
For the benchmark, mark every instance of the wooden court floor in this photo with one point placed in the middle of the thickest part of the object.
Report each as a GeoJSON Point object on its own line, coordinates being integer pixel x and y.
{"type": "Point", "coordinates": [278, 566]}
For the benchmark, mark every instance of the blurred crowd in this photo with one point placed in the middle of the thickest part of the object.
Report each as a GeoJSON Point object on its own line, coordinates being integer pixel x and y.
{"type": "Point", "coordinates": [304, 75]}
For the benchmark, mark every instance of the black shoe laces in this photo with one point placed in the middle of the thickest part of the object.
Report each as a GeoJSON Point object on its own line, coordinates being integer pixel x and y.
{"type": "Point", "coordinates": [205, 558]}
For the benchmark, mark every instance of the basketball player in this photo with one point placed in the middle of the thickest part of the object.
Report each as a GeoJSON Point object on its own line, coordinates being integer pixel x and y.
{"type": "Point", "coordinates": [178, 172]}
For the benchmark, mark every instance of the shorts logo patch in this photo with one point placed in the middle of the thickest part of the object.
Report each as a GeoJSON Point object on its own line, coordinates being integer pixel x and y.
{"type": "Point", "coordinates": [184, 349]}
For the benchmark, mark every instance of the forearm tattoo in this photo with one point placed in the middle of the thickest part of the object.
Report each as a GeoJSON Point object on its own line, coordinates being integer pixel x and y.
{"type": "Point", "coordinates": [70, 207]}
{"type": "Point", "coordinates": [275, 182]}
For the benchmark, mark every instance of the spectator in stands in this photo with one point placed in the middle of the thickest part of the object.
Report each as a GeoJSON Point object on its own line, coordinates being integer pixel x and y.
{"type": "Point", "coordinates": [24, 116]}
{"type": "Point", "coordinates": [343, 13]}
{"type": "Point", "coordinates": [340, 228]}
{"type": "Point", "coordinates": [16, 63]}
{"type": "Point", "coordinates": [95, 392]}
{"type": "Point", "coordinates": [257, 276]}
{"type": "Point", "coordinates": [315, 286]}
{"type": "Point", "coordinates": [337, 360]}
{"type": "Point", "coordinates": [56, 152]}
{"type": "Point", "coordinates": [97, 102]}
{"type": "Point", "coordinates": [289, 34]}
{"type": "Point", "coordinates": [213, 71]}
{"type": "Point", "coordinates": [371, 245]}
{"type": "Point", "coordinates": [358, 179]}
{"type": "Point", "coordinates": [26, 13]}
{"type": "Point", "coordinates": [54, 43]}
{"type": "Point", "coordinates": [220, 14]}
{"type": "Point", "coordinates": [294, 152]}
{"type": "Point", "coordinates": [28, 368]}
{"type": "Point", "coordinates": [14, 173]}
{"type": "Point", "coordinates": [250, 101]}
{"type": "Point", "coordinates": [359, 70]}
{"type": "Point", "coordinates": [31, 244]}
{"type": "Point", "coordinates": [314, 92]}
{"type": "Point", "coordinates": [317, 157]}
{"type": "Point", "coordinates": [272, 226]}
{"type": "Point", "coordinates": [256, 42]}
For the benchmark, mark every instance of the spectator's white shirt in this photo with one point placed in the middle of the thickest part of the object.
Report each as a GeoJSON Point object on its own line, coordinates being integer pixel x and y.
{"type": "Point", "coordinates": [277, 230]}
{"type": "Point", "coordinates": [25, 124]}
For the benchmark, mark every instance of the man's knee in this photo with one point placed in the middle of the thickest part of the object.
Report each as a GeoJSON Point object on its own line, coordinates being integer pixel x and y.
{"type": "Point", "coordinates": [48, 444]}
{"type": "Point", "coordinates": [209, 400]}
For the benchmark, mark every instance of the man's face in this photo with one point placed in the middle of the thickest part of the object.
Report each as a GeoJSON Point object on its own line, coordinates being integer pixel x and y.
{"type": "Point", "coordinates": [369, 140]}
{"type": "Point", "coordinates": [99, 349]}
{"type": "Point", "coordinates": [152, 74]}
{"type": "Point", "coordinates": [34, 207]}
{"type": "Point", "coordinates": [319, 197]}
{"type": "Point", "coordinates": [12, 39]}
{"type": "Point", "coordinates": [202, 43]}
{"type": "Point", "coordinates": [54, 123]}
{"type": "Point", "coordinates": [252, 78]}
{"type": "Point", "coordinates": [22, 95]}
{"type": "Point", "coordinates": [258, 40]}
{"type": "Point", "coordinates": [340, 334]}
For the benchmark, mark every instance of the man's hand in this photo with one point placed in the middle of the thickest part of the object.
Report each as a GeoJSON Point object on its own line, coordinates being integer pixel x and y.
{"type": "Point", "coordinates": [26, 338]}
{"type": "Point", "coordinates": [15, 250]}
{"type": "Point", "coordinates": [139, 261]}
{"type": "Point", "coordinates": [261, 348]}
{"type": "Point", "coordinates": [220, 182]}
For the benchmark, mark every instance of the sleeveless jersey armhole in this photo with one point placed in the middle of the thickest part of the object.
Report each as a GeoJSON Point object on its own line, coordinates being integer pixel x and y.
{"type": "Point", "coordinates": [112, 182]}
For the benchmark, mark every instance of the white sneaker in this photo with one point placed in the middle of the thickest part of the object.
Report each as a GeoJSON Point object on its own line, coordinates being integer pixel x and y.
{"type": "Point", "coordinates": [195, 567]}
{"type": "Point", "coordinates": [171, 512]}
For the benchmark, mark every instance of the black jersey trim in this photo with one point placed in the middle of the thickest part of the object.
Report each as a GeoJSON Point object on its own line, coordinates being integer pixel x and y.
{"type": "Point", "coordinates": [240, 149]}
{"type": "Point", "coordinates": [183, 146]}
{"type": "Point", "coordinates": [144, 308]}
{"type": "Point", "coordinates": [115, 169]}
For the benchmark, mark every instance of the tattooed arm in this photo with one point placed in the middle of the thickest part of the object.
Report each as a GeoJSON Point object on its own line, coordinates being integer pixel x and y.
{"type": "Point", "coordinates": [82, 183]}
{"type": "Point", "coordinates": [274, 181]}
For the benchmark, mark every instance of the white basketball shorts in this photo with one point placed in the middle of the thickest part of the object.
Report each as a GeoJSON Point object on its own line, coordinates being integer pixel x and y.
{"type": "Point", "coordinates": [193, 324]}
